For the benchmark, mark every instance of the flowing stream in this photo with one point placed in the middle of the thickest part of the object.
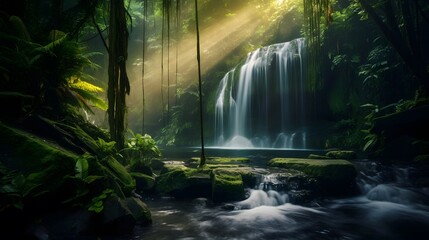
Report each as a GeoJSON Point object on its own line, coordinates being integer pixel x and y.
{"type": "Point", "coordinates": [262, 103]}
{"type": "Point", "coordinates": [388, 207]}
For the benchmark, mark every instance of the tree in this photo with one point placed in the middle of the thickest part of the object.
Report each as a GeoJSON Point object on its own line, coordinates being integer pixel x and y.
{"type": "Point", "coordinates": [200, 94]}
{"type": "Point", "coordinates": [118, 84]}
{"type": "Point", "coordinates": [401, 22]}
{"type": "Point", "coordinates": [314, 10]}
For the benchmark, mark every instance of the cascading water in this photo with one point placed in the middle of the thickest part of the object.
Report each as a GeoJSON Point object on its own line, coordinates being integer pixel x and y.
{"type": "Point", "coordinates": [263, 105]}
{"type": "Point", "coordinates": [389, 206]}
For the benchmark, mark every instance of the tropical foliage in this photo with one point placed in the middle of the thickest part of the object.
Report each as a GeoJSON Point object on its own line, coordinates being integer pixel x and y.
{"type": "Point", "coordinates": [54, 74]}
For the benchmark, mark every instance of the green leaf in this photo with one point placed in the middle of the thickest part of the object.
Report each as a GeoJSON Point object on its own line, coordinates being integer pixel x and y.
{"type": "Point", "coordinates": [97, 202]}
{"type": "Point", "coordinates": [92, 178]}
{"type": "Point", "coordinates": [369, 144]}
{"type": "Point", "coordinates": [81, 168]}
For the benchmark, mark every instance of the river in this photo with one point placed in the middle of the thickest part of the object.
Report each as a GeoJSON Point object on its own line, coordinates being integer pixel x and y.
{"type": "Point", "coordinates": [389, 206]}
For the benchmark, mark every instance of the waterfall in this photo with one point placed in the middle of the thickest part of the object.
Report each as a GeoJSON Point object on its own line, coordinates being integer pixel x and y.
{"type": "Point", "coordinates": [262, 103]}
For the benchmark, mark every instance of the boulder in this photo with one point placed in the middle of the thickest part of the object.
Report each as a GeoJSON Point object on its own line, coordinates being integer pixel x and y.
{"type": "Point", "coordinates": [143, 181]}
{"type": "Point", "coordinates": [28, 153]}
{"type": "Point", "coordinates": [115, 218]}
{"type": "Point", "coordinates": [223, 160]}
{"type": "Point", "coordinates": [157, 164]}
{"type": "Point", "coordinates": [120, 174]}
{"type": "Point", "coordinates": [334, 176]}
{"type": "Point", "coordinates": [227, 185]}
{"type": "Point", "coordinates": [184, 182]}
{"type": "Point", "coordinates": [67, 223]}
{"type": "Point", "coordinates": [139, 210]}
{"type": "Point", "coordinates": [316, 156]}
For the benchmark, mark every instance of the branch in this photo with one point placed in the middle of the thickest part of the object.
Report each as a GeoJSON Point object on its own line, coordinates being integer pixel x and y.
{"type": "Point", "coordinates": [100, 33]}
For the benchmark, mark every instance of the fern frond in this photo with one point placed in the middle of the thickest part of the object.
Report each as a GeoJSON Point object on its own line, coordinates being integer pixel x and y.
{"type": "Point", "coordinates": [76, 83]}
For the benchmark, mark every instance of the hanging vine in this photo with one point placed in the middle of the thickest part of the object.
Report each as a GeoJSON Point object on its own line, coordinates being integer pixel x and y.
{"type": "Point", "coordinates": [314, 12]}
{"type": "Point", "coordinates": [167, 13]}
{"type": "Point", "coordinates": [145, 6]}
{"type": "Point", "coordinates": [177, 48]}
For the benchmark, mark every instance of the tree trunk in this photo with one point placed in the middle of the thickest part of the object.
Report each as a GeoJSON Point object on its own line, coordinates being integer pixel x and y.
{"type": "Point", "coordinates": [118, 84]}
{"type": "Point", "coordinates": [203, 156]}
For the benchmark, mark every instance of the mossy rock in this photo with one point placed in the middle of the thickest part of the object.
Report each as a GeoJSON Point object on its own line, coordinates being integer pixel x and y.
{"type": "Point", "coordinates": [121, 175]}
{"type": "Point", "coordinates": [157, 164]}
{"type": "Point", "coordinates": [341, 154]}
{"type": "Point", "coordinates": [143, 182]}
{"type": "Point", "coordinates": [227, 185]}
{"type": "Point", "coordinates": [184, 182]}
{"type": "Point", "coordinates": [248, 176]}
{"type": "Point", "coordinates": [139, 210]}
{"type": "Point", "coordinates": [222, 160]}
{"type": "Point", "coordinates": [43, 167]}
{"type": "Point", "coordinates": [316, 156]}
{"type": "Point", "coordinates": [336, 176]}
{"type": "Point", "coordinates": [28, 154]}
{"type": "Point", "coordinates": [215, 166]}
{"type": "Point", "coordinates": [115, 218]}
{"type": "Point", "coordinates": [172, 165]}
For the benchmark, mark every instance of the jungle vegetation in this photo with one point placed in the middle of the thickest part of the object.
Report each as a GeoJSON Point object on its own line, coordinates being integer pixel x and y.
{"type": "Point", "coordinates": [160, 62]}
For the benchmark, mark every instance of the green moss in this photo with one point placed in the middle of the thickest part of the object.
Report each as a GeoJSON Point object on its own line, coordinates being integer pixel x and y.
{"type": "Point", "coordinates": [183, 182]}
{"type": "Point", "coordinates": [316, 156]}
{"type": "Point", "coordinates": [335, 175]}
{"type": "Point", "coordinates": [121, 175]}
{"type": "Point", "coordinates": [214, 166]}
{"type": "Point", "coordinates": [226, 185]}
{"type": "Point", "coordinates": [28, 154]}
{"type": "Point", "coordinates": [173, 165]}
{"type": "Point", "coordinates": [143, 181]}
{"type": "Point", "coordinates": [223, 160]}
{"type": "Point", "coordinates": [341, 154]}
{"type": "Point", "coordinates": [139, 210]}
{"type": "Point", "coordinates": [170, 181]}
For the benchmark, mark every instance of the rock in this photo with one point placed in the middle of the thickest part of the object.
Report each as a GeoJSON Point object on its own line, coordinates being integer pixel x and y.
{"type": "Point", "coordinates": [248, 176]}
{"type": "Point", "coordinates": [67, 223]}
{"type": "Point", "coordinates": [141, 168]}
{"type": "Point", "coordinates": [36, 232]}
{"type": "Point", "coordinates": [341, 154]}
{"type": "Point", "coordinates": [184, 182]}
{"type": "Point", "coordinates": [336, 177]}
{"type": "Point", "coordinates": [139, 210]}
{"type": "Point", "coordinates": [300, 196]}
{"type": "Point", "coordinates": [28, 153]}
{"type": "Point", "coordinates": [172, 165]}
{"type": "Point", "coordinates": [227, 185]}
{"type": "Point", "coordinates": [223, 160]}
{"type": "Point", "coordinates": [143, 181]}
{"type": "Point", "coordinates": [157, 164]}
{"type": "Point", "coordinates": [315, 156]}
{"type": "Point", "coordinates": [228, 207]}
{"type": "Point", "coordinates": [116, 218]}
{"type": "Point", "coordinates": [290, 180]}
{"type": "Point", "coordinates": [42, 167]}
{"type": "Point", "coordinates": [121, 175]}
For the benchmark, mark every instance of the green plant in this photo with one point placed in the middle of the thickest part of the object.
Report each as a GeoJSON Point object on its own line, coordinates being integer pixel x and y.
{"type": "Point", "coordinates": [140, 150]}
{"type": "Point", "coordinates": [54, 74]}
{"type": "Point", "coordinates": [105, 149]}
{"type": "Point", "coordinates": [371, 139]}
{"type": "Point", "coordinates": [12, 190]}
{"type": "Point", "coordinates": [97, 203]}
